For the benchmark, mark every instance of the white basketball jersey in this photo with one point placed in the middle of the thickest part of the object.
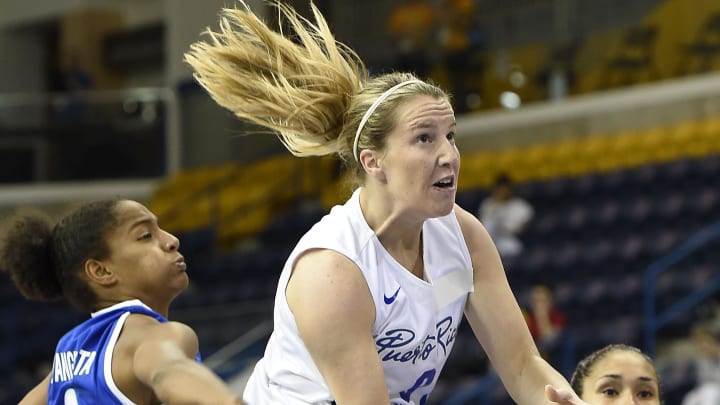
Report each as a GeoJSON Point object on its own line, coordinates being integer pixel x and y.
{"type": "Point", "coordinates": [416, 320]}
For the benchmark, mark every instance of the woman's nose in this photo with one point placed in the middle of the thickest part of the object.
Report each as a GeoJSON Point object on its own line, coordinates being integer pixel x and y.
{"type": "Point", "coordinates": [172, 242]}
{"type": "Point", "coordinates": [449, 155]}
{"type": "Point", "coordinates": [630, 399]}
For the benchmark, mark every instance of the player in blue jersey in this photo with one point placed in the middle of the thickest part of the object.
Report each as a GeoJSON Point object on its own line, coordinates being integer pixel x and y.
{"type": "Point", "coordinates": [369, 301]}
{"type": "Point", "coordinates": [111, 259]}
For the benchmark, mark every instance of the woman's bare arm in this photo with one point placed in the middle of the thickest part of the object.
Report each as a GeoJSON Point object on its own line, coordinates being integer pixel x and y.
{"type": "Point", "coordinates": [498, 324]}
{"type": "Point", "coordinates": [334, 311]}
{"type": "Point", "coordinates": [165, 361]}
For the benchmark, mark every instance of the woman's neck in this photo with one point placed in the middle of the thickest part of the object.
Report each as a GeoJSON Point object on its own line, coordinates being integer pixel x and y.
{"type": "Point", "coordinates": [399, 233]}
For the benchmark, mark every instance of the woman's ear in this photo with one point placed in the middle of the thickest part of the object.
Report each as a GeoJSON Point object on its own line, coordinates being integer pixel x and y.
{"type": "Point", "coordinates": [97, 272]}
{"type": "Point", "coordinates": [371, 162]}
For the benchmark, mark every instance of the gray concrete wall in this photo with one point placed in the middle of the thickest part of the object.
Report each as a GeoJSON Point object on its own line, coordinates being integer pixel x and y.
{"type": "Point", "coordinates": [638, 107]}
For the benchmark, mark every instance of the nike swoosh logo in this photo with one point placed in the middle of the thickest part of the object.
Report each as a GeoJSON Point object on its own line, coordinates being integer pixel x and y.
{"type": "Point", "coordinates": [390, 300]}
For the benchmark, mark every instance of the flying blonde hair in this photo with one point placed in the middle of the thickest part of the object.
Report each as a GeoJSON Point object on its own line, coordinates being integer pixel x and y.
{"type": "Point", "coordinates": [303, 85]}
{"type": "Point", "coordinates": [298, 89]}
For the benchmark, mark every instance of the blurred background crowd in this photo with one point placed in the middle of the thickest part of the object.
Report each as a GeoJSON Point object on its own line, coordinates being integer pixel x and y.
{"type": "Point", "coordinates": [589, 132]}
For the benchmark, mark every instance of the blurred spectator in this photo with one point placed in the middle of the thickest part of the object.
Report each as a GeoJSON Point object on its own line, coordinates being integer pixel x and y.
{"type": "Point", "coordinates": [545, 321]}
{"type": "Point", "coordinates": [558, 74]}
{"type": "Point", "coordinates": [75, 79]}
{"type": "Point", "coordinates": [411, 26]}
{"type": "Point", "coordinates": [707, 366]}
{"type": "Point", "coordinates": [505, 216]}
{"type": "Point", "coordinates": [460, 43]}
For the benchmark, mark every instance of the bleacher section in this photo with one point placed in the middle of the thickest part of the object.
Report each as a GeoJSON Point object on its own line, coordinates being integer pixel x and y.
{"type": "Point", "coordinates": [240, 201]}
{"type": "Point", "coordinates": [673, 38]}
{"type": "Point", "coordinates": [593, 238]}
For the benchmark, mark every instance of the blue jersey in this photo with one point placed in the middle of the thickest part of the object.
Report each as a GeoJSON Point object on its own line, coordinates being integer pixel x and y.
{"type": "Point", "coordinates": [82, 365]}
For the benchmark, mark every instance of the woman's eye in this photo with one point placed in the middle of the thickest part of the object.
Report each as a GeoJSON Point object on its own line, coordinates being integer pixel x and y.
{"type": "Point", "coordinates": [424, 138]}
{"type": "Point", "coordinates": [610, 392]}
{"type": "Point", "coordinates": [451, 136]}
{"type": "Point", "coordinates": [145, 236]}
{"type": "Point", "coordinates": [646, 394]}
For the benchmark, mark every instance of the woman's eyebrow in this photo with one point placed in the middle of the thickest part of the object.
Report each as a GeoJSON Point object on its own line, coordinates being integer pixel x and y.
{"type": "Point", "coordinates": [143, 221]}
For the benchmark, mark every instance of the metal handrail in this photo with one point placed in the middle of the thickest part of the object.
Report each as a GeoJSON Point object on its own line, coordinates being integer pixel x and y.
{"type": "Point", "coordinates": [237, 346]}
{"type": "Point", "coordinates": [654, 320]}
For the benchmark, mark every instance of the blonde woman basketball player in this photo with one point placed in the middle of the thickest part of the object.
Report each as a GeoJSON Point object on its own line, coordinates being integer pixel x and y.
{"type": "Point", "coordinates": [369, 301]}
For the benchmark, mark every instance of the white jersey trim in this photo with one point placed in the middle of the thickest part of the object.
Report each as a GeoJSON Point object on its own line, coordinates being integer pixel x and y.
{"type": "Point", "coordinates": [107, 361]}
{"type": "Point", "coordinates": [128, 303]}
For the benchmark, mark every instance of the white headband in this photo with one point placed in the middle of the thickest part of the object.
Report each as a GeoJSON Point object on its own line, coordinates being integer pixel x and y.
{"type": "Point", "coordinates": [372, 109]}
